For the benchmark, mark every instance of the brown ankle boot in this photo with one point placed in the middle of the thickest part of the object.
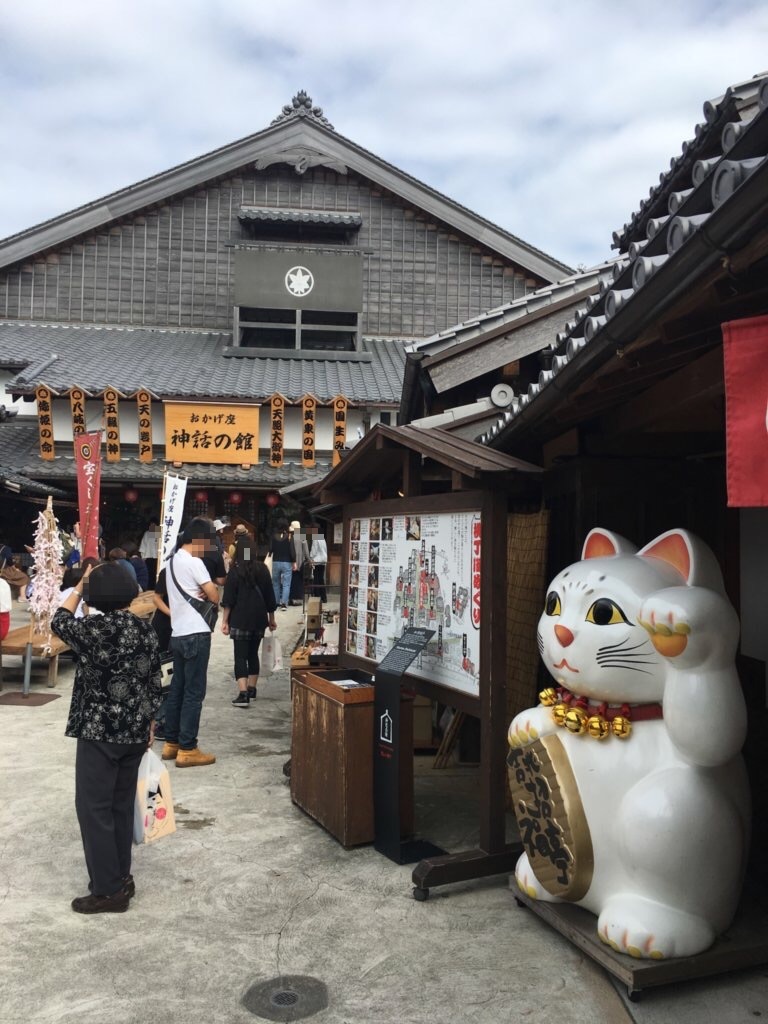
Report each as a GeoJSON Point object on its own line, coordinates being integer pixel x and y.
{"type": "Point", "coordinates": [170, 750]}
{"type": "Point", "coordinates": [193, 758]}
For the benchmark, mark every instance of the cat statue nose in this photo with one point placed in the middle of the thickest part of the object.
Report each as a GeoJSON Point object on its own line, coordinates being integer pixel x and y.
{"type": "Point", "coordinates": [564, 635]}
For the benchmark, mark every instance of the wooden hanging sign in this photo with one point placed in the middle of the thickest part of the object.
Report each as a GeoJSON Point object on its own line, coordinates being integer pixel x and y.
{"type": "Point", "coordinates": [144, 411]}
{"type": "Point", "coordinates": [44, 398]}
{"type": "Point", "coordinates": [277, 429]}
{"type": "Point", "coordinates": [112, 423]}
{"type": "Point", "coordinates": [308, 425]}
{"type": "Point", "coordinates": [339, 405]}
{"type": "Point", "coordinates": [77, 405]}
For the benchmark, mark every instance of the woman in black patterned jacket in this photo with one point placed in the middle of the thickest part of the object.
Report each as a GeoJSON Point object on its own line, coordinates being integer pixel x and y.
{"type": "Point", "coordinates": [114, 698]}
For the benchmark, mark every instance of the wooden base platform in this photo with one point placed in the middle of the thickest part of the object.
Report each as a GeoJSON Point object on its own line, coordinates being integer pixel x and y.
{"type": "Point", "coordinates": [745, 944]}
{"type": "Point", "coordinates": [44, 647]}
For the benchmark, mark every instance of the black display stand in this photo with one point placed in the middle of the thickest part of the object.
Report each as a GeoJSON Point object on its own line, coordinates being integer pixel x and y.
{"type": "Point", "coordinates": [386, 751]}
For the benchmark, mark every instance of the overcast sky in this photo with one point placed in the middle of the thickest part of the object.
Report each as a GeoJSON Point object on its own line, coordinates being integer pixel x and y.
{"type": "Point", "coordinates": [553, 120]}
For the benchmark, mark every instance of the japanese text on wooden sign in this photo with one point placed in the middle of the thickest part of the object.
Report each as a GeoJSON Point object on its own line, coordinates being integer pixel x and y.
{"type": "Point", "coordinates": [77, 404]}
{"type": "Point", "coordinates": [308, 423]}
{"type": "Point", "coordinates": [112, 424]}
{"type": "Point", "coordinates": [45, 422]}
{"type": "Point", "coordinates": [144, 411]}
{"type": "Point", "coordinates": [339, 406]}
{"type": "Point", "coordinates": [203, 432]}
{"type": "Point", "coordinates": [277, 430]}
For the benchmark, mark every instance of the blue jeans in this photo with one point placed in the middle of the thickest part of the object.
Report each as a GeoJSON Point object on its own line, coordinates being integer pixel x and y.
{"type": "Point", "coordinates": [187, 693]}
{"type": "Point", "coordinates": [281, 581]}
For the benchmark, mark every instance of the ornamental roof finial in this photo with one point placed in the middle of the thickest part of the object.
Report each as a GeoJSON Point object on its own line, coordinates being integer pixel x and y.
{"type": "Point", "coordinates": [301, 106]}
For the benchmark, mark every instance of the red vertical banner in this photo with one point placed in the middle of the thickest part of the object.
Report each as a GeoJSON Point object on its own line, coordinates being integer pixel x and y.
{"type": "Point", "coordinates": [277, 429]}
{"type": "Point", "coordinates": [88, 466]}
{"type": "Point", "coordinates": [339, 406]}
{"type": "Point", "coordinates": [112, 423]}
{"type": "Point", "coordinates": [144, 413]}
{"type": "Point", "coordinates": [308, 423]}
{"type": "Point", "coordinates": [44, 400]}
{"type": "Point", "coordinates": [745, 352]}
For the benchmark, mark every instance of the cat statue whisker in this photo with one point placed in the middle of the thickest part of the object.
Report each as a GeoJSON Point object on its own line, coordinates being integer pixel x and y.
{"type": "Point", "coordinates": [627, 780]}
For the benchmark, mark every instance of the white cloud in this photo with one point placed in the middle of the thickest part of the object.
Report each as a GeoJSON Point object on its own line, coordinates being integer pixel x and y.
{"type": "Point", "coordinates": [553, 122]}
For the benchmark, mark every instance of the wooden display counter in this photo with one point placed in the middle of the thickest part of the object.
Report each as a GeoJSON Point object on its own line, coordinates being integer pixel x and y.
{"type": "Point", "coordinates": [332, 753]}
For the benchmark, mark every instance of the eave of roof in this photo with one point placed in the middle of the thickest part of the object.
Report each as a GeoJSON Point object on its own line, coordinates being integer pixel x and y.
{"type": "Point", "coordinates": [282, 215]}
{"type": "Point", "coordinates": [228, 159]}
{"type": "Point", "coordinates": [724, 206]}
{"type": "Point", "coordinates": [455, 453]}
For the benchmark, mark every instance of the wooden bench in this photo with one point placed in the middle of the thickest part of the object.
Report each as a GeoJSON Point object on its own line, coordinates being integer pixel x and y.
{"type": "Point", "coordinates": [16, 643]}
{"type": "Point", "coordinates": [17, 639]}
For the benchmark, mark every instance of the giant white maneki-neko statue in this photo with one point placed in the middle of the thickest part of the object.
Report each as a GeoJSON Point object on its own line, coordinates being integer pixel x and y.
{"type": "Point", "coordinates": [628, 784]}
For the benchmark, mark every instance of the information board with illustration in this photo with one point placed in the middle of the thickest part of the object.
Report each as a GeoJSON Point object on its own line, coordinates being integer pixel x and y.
{"type": "Point", "coordinates": [423, 571]}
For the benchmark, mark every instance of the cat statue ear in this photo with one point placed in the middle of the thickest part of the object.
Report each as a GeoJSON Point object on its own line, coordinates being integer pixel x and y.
{"type": "Point", "coordinates": [602, 543]}
{"type": "Point", "coordinates": [690, 556]}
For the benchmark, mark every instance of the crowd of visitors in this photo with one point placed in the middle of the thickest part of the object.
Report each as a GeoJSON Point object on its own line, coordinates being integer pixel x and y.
{"type": "Point", "coordinates": [118, 705]}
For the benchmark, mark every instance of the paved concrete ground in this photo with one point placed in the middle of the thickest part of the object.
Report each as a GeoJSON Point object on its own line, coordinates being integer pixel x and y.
{"type": "Point", "coordinates": [250, 889]}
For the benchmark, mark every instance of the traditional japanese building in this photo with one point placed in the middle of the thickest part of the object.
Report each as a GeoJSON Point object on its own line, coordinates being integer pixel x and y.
{"type": "Point", "coordinates": [243, 315]}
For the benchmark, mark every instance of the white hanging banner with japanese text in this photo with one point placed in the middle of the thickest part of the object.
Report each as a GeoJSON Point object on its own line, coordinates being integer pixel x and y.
{"type": "Point", "coordinates": [174, 492]}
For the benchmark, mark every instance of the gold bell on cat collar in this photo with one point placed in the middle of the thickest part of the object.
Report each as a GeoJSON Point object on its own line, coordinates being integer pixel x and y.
{"type": "Point", "coordinates": [548, 697]}
{"type": "Point", "coordinates": [597, 727]}
{"type": "Point", "coordinates": [621, 726]}
{"type": "Point", "coordinates": [576, 721]}
{"type": "Point", "coordinates": [559, 711]}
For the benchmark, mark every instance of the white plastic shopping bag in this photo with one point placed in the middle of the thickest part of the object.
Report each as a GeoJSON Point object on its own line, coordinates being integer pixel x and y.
{"type": "Point", "coordinates": [153, 815]}
{"type": "Point", "coordinates": [271, 657]}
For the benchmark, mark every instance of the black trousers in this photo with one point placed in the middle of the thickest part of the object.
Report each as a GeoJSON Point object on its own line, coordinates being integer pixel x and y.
{"type": "Point", "coordinates": [105, 793]}
{"type": "Point", "coordinates": [152, 572]}
{"type": "Point", "coordinates": [247, 655]}
{"type": "Point", "coordinates": [318, 582]}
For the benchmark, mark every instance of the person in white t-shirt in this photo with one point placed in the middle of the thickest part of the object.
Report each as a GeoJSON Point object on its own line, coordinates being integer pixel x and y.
{"type": "Point", "coordinates": [190, 644]}
{"type": "Point", "coordinates": [148, 550]}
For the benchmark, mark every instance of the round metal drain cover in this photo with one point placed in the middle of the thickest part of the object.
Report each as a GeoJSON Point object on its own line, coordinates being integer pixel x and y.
{"type": "Point", "coordinates": [291, 997]}
{"type": "Point", "coordinates": [285, 998]}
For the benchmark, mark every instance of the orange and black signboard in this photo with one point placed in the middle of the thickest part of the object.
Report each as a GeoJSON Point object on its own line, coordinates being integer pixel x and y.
{"type": "Point", "coordinates": [44, 399]}
{"type": "Point", "coordinates": [339, 407]}
{"type": "Point", "coordinates": [144, 410]}
{"type": "Point", "coordinates": [277, 430]}
{"type": "Point", "coordinates": [77, 404]}
{"type": "Point", "coordinates": [308, 427]}
{"type": "Point", "coordinates": [204, 432]}
{"type": "Point", "coordinates": [112, 424]}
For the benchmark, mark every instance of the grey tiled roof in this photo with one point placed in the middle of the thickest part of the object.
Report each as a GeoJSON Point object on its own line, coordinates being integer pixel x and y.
{"type": "Point", "coordinates": [192, 364]}
{"type": "Point", "coordinates": [273, 214]}
{"type": "Point", "coordinates": [725, 119]}
{"type": "Point", "coordinates": [511, 312]}
{"type": "Point", "coordinates": [19, 449]}
{"type": "Point", "coordinates": [669, 256]}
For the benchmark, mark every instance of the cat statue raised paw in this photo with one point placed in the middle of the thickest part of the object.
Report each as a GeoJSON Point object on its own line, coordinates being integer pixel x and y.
{"type": "Point", "coordinates": [628, 785]}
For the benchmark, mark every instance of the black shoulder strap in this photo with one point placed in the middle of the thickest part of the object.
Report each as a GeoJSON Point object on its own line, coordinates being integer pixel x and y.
{"type": "Point", "coordinates": [183, 593]}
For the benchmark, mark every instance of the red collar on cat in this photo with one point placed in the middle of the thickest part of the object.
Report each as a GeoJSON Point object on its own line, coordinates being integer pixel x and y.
{"type": "Point", "coordinates": [632, 712]}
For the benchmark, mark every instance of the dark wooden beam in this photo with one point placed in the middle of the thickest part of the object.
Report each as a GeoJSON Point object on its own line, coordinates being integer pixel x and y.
{"type": "Point", "coordinates": [411, 487]}
{"type": "Point", "coordinates": [691, 384]}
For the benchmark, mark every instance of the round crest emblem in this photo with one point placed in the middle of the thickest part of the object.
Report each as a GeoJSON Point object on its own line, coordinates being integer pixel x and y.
{"type": "Point", "coordinates": [299, 281]}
